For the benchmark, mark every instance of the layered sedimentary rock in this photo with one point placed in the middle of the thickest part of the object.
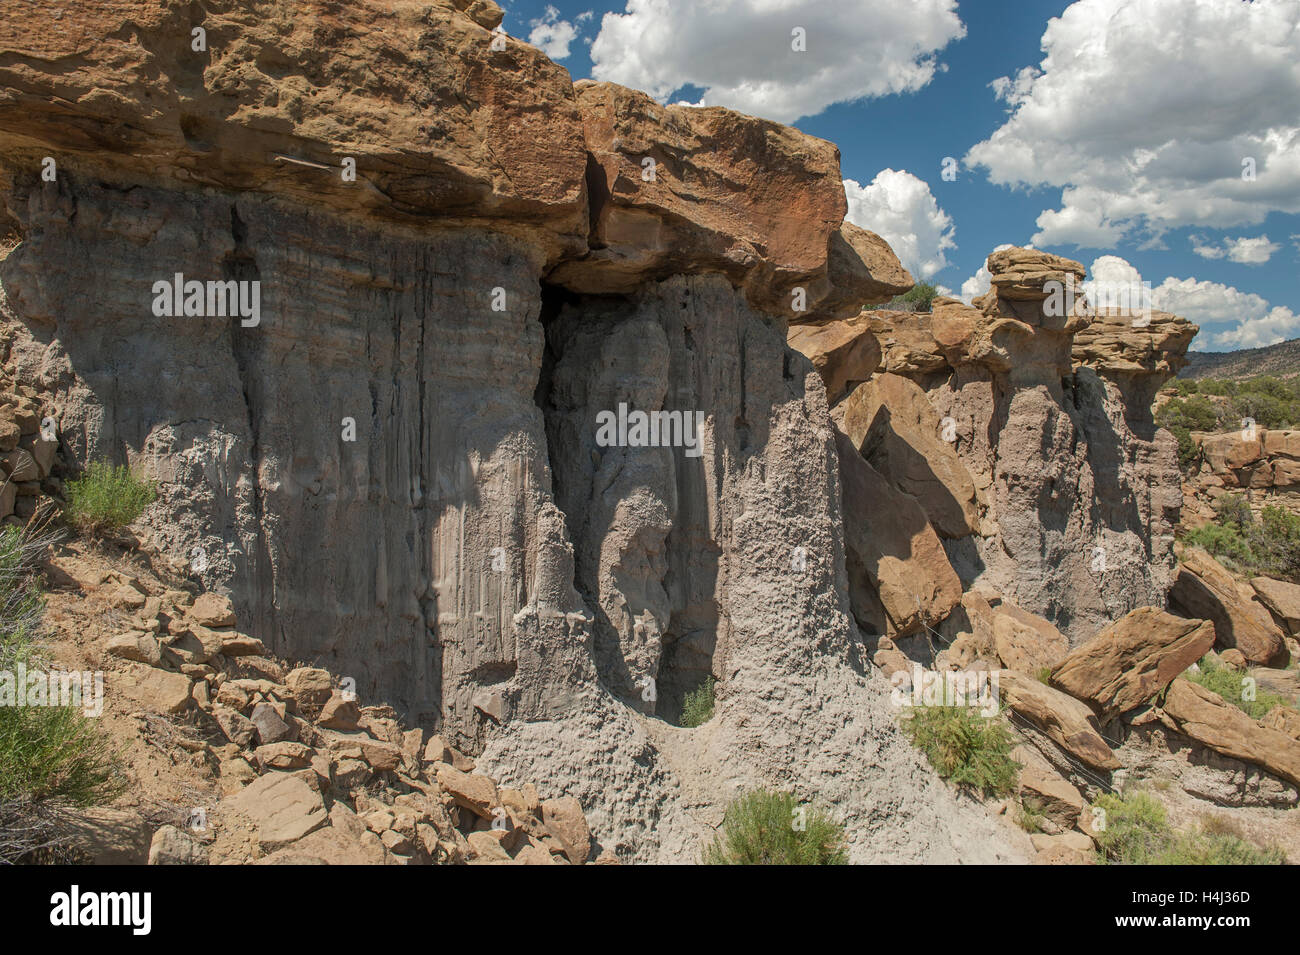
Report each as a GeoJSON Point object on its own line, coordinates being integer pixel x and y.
{"type": "Point", "coordinates": [392, 465]}
{"type": "Point", "coordinates": [1077, 487]}
{"type": "Point", "coordinates": [1250, 458]}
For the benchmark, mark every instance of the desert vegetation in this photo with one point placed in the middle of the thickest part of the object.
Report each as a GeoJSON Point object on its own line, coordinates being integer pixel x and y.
{"type": "Point", "coordinates": [1137, 831]}
{"type": "Point", "coordinates": [773, 828]}
{"type": "Point", "coordinates": [106, 498]}
{"type": "Point", "coordinates": [53, 759]}
{"type": "Point", "coordinates": [1267, 544]}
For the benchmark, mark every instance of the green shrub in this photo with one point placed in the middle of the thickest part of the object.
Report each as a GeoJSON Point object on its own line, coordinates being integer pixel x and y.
{"type": "Point", "coordinates": [1227, 683]}
{"type": "Point", "coordinates": [1137, 832]}
{"type": "Point", "coordinates": [697, 708]}
{"type": "Point", "coordinates": [52, 758]}
{"type": "Point", "coordinates": [965, 748]}
{"type": "Point", "coordinates": [106, 498]}
{"type": "Point", "coordinates": [919, 298]}
{"type": "Point", "coordinates": [1271, 402]}
{"type": "Point", "coordinates": [763, 828]}
{"type": "Point", "coordinates": [54, 753]}
{"type": "Point", "coordinates": [1269, 545]}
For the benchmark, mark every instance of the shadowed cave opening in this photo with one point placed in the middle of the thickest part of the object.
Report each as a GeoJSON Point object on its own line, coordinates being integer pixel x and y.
{"type": "Point", "coordinates": [675, 572]}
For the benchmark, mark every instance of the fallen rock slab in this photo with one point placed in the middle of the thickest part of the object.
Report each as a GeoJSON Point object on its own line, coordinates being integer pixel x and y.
{"type": "Point", "coordinates": [1133, 659]}
{"type": "Point", "coordinates": [1069, 723]}
{"type": "Point", "coordinates": [282, 808]}
{"type": "Point", "coordinates": [1209, 719]}
{"type": "Point", "coordinates": [1282, 600]}
{"type": "Point", "coordinates": [1205, 589]}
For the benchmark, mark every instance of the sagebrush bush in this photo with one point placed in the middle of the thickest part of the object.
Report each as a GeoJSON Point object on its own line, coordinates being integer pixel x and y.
{"type": "Point", "coordinates": [52, 758]}
{"type": "Point", "coordinates": [771, 828]}
{"type": "Point", "coordinates": [965, 748]}
{"type": "Point", "coordinates": [1137, 832]}
{"type": "Point", "coordinates": [1227, 683]}
{"type": "Point", "coordinates": [919, 298]}
{"type": "Point", "coordinates": [1269, 545]}
{"type": "Point", "coordinates": [106, 498]}
{"type": "Point", "coordinates": [697, 707]}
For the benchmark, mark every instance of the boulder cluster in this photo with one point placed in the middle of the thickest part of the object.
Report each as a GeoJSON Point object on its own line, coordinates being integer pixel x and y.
{"type": "Point", "coordinates": [308, 773]}
{"type": "Point", "coordinates": [30, 466]}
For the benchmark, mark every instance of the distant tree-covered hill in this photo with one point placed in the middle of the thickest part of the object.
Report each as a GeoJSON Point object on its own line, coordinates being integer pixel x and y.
{"type": "Point", "coordinates": [1281, 360]}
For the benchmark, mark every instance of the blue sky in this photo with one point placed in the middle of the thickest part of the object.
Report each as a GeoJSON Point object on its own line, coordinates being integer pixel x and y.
{"type": "Point", "coordinates": [1121, 133]}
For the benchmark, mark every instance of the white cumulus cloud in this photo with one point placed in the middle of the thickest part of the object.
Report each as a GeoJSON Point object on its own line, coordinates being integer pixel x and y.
{"type": "Point", "coordinates": [1248, 251]}
{"type": "Point", "coordinates": [552, 35]}
{"type": "Point", "coordinates": [740, 52]}
{"type": "Point", "coordinates": [1148, 115]}
{"type": "Point", "coordinates": [1229, 318]}
{"type": "Point", "coordinates": [900, 208]}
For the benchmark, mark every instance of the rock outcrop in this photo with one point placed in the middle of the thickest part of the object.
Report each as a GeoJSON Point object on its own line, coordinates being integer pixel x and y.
{"type": "Point", "coordinates": [1207, 718]}
{"type": "Point", "coordinates": [1253, 458]}
{"type": "Point", "coordinates": [1068, 494]}
{"type": "Point", "coordinates": [844, 353]}
{"type": "Point", "coordinates": [391, 462]}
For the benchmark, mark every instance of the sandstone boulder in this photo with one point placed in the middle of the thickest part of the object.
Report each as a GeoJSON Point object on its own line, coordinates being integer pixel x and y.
{"type": "Point", "coordinates": [565, 820]}
{"type": "Point", "coordinates": [1067, 722]}
{"type": "Point", "coordinates": [212, 610]}
{"type": "Point", "coordinates": [1282, 600]}
{"type": "Point", "coordinates": [136, 645]}
{"type": "Point", "coordinates": [907, 344]}
{"type": "Point", "coordinates": [310, 685]}
{"type": "Point", "coordinates": [843, 352]}
{"type": "Point", "coordinates": [1043, 790]}
{"type": "Point", "coordinates": [1021, 640]}
{"type": "Point", "coordinates": [173, 846]}
{"type": "Point", "coordinates": [1284, 719]}
{"type": "Point", "coordinates": [281, 807]}
{"type": "Point", "coordinates": [1204, 589]}
{"type": "Point", "coordinates": [476, 793]}
{"type": "Point", "coordinates": [894, 553]}
{"type": "Point", "coordinates": [155, 689]}
{"type": "Point", "coordinates": [1133, 659]}
{"type": "Point", "coordinates": [1209, 719]}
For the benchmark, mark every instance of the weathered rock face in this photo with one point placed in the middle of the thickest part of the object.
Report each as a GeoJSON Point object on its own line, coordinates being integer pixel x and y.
{"type": "Point", "coordinates": [1081, 489]}
{"type": "Point", "coordinates": [894, 426]}
{"type": "Point", "coordinates": [393, 468]}
{"type": "Point", "coordinates": [1140, 352]}
{"type": "Point", "coordinates": [1252, 458]}
{"type": "Point", "coordinates": [1204, 588]}
{"type": "Point", "coordinates": [900, 580]}
{"type": "Point", "coordinates": [281, 94]}
{"type": "Point", "coordinates": [1214, 722]}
